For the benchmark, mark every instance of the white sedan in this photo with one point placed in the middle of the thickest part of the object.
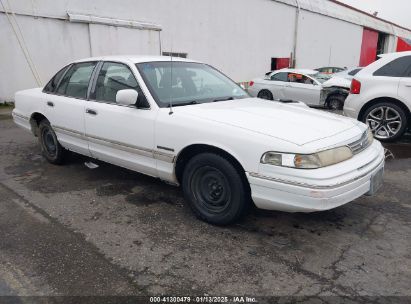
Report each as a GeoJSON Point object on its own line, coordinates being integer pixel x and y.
{"type": "Point", "coordinates": [187, 124]}
{"type": "Point", "coordinates": [289, 84]}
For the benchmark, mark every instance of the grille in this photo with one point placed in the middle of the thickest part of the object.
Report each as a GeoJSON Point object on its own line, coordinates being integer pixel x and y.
{"type": "Point", "coordinates": [360, 144]}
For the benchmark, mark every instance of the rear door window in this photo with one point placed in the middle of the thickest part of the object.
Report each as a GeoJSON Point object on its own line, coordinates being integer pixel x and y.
{"type": "Point", "coordinates": [76, 81]}
{"type": "Point", "coordinates": [396, 68]}
{"type": "Point", "coordinates": [52, 84]}
{"type": "Point", "coordinates": [282, 76]}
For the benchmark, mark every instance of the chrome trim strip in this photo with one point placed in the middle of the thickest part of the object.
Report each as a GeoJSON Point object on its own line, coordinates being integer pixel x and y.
{"type": "Point", "coordinates": [116, 145]}
{"type": "Point", "coordinates": [69, 132]}
{"type": "Point", "coordinates": [304, 185]}
{"type": "Point", "coordinates": [20, 116]}
{"type": "Point", "coordinates": [169, 158]}
{"type": "Point", "coordinates": [166, 157]}
{"type": "Point", "coordinates": [165, 148]}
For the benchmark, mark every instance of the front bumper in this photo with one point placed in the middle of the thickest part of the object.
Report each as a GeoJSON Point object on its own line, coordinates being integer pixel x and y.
{"type": "Point", "coordinates": [274, 194]}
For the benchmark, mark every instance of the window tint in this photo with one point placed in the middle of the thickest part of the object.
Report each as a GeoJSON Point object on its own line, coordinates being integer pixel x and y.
{"type": "Point", "coordinates": [396, 68]}
{"type": "Point", "coordinates": [112, 78]}
{"type": "Point", "coordinates": [75, 81]}
{"type": "Point", "coordinates": [354, 72]}
{"type": "Point", "coordinates": [299, 78]}
{"type": "Point", "coordinates": [52, 84]}
{"type": "Point", "coordinates": [280, 77]}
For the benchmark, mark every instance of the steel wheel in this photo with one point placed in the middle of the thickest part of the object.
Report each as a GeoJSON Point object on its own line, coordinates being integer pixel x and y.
{"type": "Point", "coordinates": [211, 189]}
{"type": "Point", "coordinates": [215, 189]}
{"type": "Point", "coordinates": [385, 122]}
{"type": "Point", "coordinates": [50, 146]}
{"type": "Point", "coordinates": [49, 141]}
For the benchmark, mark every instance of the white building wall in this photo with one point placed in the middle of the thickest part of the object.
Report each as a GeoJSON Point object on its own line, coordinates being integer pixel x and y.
{"type": "Point", "coordinates": [239, 37]}
{"type": "Point", "coordinates": [324, 41]}
{"type": "Point", "coordinates": [52, 44]}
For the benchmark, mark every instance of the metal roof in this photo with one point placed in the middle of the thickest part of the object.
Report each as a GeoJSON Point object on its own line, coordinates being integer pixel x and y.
{"type": "Point", "coordinates": [344, 12]}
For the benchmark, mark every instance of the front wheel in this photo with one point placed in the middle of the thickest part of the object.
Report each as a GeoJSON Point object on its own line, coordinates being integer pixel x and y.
{"type": "Point", "coordinates": [386, 120]}
{"type": "Point", "coordinates": [216, 191]}
{"type": "Point", "coordinates": [265, 94]}
{"type": "Point", "coordinates": [50, 147]}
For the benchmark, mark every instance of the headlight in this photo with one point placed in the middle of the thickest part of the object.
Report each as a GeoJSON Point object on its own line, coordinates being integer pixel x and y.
{"type": "Point", "coordinates": [307, 161]}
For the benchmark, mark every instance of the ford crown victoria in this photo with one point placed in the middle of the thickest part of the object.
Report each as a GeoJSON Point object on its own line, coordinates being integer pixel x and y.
{"type": "Point", "coordinates": [188, 124]}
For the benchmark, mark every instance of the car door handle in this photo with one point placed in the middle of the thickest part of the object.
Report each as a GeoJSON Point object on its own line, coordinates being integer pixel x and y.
{"type": "Point", "coordinates": [50, 104]}
{"type": "Point", "coordinates": [408, 85]}
{"type": "Point", "coordinates": [91, 112]}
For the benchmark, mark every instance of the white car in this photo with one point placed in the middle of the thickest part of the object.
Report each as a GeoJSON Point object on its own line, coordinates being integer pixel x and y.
{"type": "Point", "coordinates": [349, 73]}
{"type": "Point", "coordinates": [308, 86]}
{"type": "Point", "coordinates": [187, 124]}
{"type": "Point", "coordinates": [381, 96]}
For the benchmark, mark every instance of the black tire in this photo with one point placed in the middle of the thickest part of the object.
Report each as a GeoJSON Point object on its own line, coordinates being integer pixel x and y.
{"type": "Point", "coordinates": [51, 149]}
{"type": "Point", "coordinates": [215, 190]}
{"type": "Point", "coordinates": [265, 94]}
{"type": "Point", "coordinates": [397, 121]}
{"type": "Point", "coordinates": [336, 102]}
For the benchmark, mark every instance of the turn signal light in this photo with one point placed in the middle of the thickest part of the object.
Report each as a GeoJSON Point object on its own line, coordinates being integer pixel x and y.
{"type": "Point", "coordinates": [251, 83]}
{"type": "Point", "coordinates": [355, 87]}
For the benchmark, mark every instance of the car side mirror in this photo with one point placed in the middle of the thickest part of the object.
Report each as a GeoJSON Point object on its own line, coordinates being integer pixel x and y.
{"type": "Point", "coordinates": [127, 97]}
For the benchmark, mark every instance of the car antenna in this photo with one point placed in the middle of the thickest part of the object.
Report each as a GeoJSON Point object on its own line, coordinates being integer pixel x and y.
{"type": "Point", "coordinates": [171, 81]}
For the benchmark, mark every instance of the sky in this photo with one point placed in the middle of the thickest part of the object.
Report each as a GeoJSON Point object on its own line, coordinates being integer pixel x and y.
{"type": "Point", "coordinates": [397, 11]}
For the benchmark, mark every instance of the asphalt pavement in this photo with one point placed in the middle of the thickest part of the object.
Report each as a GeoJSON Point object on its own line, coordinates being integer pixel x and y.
{"type": "Point", "coordinates": [71, 230]}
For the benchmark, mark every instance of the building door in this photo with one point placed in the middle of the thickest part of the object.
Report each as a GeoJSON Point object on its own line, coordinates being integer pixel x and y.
{"type": "Point", "coordinates": [368, 47]}
{"type": "Point", "coordinates": [279, 63]}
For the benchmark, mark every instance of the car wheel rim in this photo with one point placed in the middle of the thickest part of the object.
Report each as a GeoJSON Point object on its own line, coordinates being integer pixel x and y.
{"type": "Point", "coordinates": [211, 189]}
{"type": "Point", "coordinates": [49, 141]}
{"type": "Point", "coordinates": [385, 122]}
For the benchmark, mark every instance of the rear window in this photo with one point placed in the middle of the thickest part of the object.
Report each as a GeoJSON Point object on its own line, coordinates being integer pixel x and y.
{"type": "Point", "coordinates": [396, 68]}
{"type": "Point", "coordinates": [52, 84]}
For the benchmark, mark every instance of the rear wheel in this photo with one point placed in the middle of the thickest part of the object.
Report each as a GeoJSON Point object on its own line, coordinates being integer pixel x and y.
{"type": "Point", "coordinates": [386, 120]}
{"type": "Point", "coordinates": [215, 190]}
{"type": "Point", "coordinates": [335, 102]}
{"type": "Point", "coordinates": [265, 94]}
{"type": "Point", "coordinates": [50, 147]}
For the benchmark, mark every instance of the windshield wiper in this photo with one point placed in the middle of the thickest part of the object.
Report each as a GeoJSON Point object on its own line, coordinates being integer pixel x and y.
{"type": "Point", "coordinates": [193, 102]}
{"type": "Point", "coordinates": [223, 99]}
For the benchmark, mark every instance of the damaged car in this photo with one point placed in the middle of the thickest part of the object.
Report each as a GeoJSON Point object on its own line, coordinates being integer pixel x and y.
{"type": "Point", "coordinates": [335, 91]}
{"type": "Point", "coordinates": [308, 86]}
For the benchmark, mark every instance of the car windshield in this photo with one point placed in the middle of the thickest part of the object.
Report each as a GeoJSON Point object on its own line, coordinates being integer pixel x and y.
{"type": "Point", "coordinates": [321, 77]}
{"type": "Point", "coordinates": [186, 83]}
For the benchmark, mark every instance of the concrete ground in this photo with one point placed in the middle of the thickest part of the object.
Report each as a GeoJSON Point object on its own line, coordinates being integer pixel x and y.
{"type": "Point", "coordinates": [70, 230]}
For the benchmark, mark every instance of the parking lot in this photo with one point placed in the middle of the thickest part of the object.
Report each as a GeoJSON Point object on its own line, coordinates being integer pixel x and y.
{"type": "Point", "coordinates": [71, 230]}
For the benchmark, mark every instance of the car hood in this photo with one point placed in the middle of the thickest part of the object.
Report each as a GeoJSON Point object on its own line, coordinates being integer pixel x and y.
{"type": "Point", "coordinates": [294, 124]}
{"type": "Point", "coordinates": [337, 82]}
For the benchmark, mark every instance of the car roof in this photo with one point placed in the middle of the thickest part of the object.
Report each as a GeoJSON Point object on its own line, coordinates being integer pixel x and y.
{"type": "Point", "coordinates": [330, 67]}
{"type": "Point", "coordinates": [297, 71]}
{"type": "Point", "coordinates": [395, 55]}
{"type": "Point", "coordinates": [135, 58]}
